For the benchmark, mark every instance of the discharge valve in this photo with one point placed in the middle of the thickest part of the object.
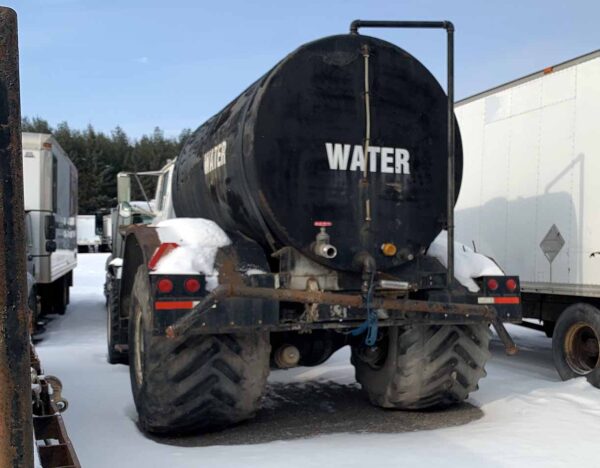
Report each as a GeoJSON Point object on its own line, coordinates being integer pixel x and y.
{"type": "Point", "coordinates": [322, 247]}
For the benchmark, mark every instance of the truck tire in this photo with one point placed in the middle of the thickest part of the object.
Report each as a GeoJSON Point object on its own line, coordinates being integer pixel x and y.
{"type": "Point", "coordinates": [575, 342]}
{"type": "Point", "coordinates": [195, 382]}
{"type": "Point", "coordinates": [60, 296]}
{"type": "Point", "coordinates": [423, 366]}
{"type": "Point", "coordinates": [113, 330]}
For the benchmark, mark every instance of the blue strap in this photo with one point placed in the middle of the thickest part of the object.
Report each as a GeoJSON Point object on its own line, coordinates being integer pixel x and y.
{"type": "Point", "coordinates": [370, 323]}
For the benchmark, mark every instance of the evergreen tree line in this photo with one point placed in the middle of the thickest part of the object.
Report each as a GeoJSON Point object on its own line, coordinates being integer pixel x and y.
{"type": "Point", "coordinates": [99, 157]}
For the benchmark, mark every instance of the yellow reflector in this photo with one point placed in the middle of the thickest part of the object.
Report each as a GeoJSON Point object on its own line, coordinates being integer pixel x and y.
{"type": "Point", "coordinates": [389, 249]}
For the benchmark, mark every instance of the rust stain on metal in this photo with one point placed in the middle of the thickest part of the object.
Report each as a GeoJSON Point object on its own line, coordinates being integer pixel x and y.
{"type": "Point", "coordinates": [357, 301]}
{"type": "Point", "coordinates": [228, 263]}
{"type": "Point", "coordinates": [54, 446]}
{"type": "Point", "coordinates": [146, 236]}
{"type": "Point", "coordinates": [322, 297]}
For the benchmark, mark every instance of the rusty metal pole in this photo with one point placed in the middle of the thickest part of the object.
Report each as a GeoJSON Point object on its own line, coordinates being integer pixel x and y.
{"type": "Point", "coordinates": [16, 433]}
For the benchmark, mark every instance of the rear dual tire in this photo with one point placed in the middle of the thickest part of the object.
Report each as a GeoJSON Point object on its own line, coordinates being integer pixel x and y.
{"type": "Point", "coordinates": [196, 382]}
{"type": "Point", "coordinates": [423, 366]}
{"type": "Point", "coordinates": [575, 343]}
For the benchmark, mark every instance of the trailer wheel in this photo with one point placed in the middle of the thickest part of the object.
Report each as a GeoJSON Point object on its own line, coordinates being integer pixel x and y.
{"type": "Point", "coordinates": [575, 343]}
{"type": "Point", "coordinates": [423, 366]}
{"type": "Point", "coordinates": [195, 382]}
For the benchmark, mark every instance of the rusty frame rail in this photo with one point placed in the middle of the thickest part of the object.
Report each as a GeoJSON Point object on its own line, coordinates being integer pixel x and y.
{"type": "Point", "coordinates": [227, 291]}
{"type": "Point", "coordinates": [53, 445]}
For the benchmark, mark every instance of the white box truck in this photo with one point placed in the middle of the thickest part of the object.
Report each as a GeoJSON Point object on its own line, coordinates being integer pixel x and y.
{"type": "Point", "coordinates": [88, 239]}
{"type": "Point", "coordinates": [531, 198]}
{"type": "Point", "coordinates": [50, 196]}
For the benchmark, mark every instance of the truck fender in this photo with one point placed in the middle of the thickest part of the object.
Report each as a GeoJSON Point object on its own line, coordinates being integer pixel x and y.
{"type": "Point", "coordinates": [242, 262]}
{"type": "Point", "coordinates": [140, 243]}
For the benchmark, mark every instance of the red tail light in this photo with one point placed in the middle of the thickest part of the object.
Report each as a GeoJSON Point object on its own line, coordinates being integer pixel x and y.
{"type": "Point", "coordinates": [492, 284]}
{"type": "Point", "coordinates": [511, 284]}
{"type": "Point", "coordinates": [191, 285]}
{"type": "Point", "coordinates": [164, 285]}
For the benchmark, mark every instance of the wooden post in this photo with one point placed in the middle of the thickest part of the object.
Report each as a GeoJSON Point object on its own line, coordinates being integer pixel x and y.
{"type": "Point", "coordinates": [16, 436]}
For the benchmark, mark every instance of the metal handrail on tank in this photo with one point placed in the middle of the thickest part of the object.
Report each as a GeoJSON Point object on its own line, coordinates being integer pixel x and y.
{"type": "Point", "coordinates": [449, 27]}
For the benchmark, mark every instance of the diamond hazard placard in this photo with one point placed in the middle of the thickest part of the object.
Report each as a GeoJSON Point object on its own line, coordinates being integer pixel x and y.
{"type": "Point", "coordinates": [552, 243]}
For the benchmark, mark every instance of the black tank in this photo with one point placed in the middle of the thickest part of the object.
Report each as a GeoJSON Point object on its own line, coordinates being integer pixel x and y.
{"type": "Point", "coordinates": [288, 153]}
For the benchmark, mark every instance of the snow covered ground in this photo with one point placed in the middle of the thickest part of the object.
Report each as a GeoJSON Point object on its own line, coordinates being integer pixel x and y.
{"type": "Point", "coordinates": [521, 416]}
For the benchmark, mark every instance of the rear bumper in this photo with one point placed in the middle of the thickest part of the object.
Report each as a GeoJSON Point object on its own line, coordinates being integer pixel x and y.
{"type": "Point", "coordinates": [232, 308]}
{"type": "Point", "coordinates": [240, 308]}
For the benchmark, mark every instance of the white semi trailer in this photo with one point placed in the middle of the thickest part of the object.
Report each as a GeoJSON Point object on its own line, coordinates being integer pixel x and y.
{"type": "Point", "coordinates": [50, 196]}
{"type": "Point", "coordinates": [88, 239]}
{"type": "Point", "coordinates": [531, 198]}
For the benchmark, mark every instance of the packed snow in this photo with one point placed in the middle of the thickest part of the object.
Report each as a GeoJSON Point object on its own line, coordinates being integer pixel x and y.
{"type": "Point", "coordinates": [468, 264]}
{"type": "Point", "coordinates": [198, 241]}
{"type": "Point", "coordinates": [524, 416]}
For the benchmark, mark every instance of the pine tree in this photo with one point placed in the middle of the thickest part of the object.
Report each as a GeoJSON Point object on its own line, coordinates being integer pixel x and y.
{"type": "Point", "coordinates": [100, 157]}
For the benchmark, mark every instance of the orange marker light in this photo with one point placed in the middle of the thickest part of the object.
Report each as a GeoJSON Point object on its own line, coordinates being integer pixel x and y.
{"type": "Point", "coordinates": [389, 249]}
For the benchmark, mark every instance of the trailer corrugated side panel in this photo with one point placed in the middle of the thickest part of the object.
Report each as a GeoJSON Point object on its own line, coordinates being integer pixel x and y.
{"type": "Point", "coordinates": [532, 161]}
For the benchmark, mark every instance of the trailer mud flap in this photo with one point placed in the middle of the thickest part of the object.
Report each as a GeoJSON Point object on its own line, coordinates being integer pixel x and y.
{"type": "Point", "coordinates": [234, 312]}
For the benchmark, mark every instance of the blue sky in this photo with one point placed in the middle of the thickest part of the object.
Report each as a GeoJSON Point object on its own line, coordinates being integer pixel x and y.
{"type": "Point", "coordinates": [173, 64]}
